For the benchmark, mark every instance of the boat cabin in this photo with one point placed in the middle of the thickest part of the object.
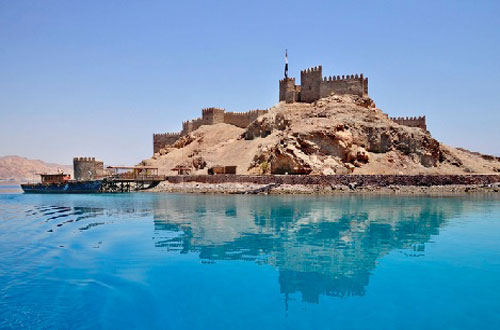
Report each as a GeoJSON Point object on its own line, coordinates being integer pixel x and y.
{"type": "Point", "coordinates": [55, 178]}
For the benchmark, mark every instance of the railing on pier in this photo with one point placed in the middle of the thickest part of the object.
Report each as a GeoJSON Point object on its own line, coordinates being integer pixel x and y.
{"type": "Point", "coordinates": [134, 173]}
{"type": "Point", "coordinates": [131, 178]}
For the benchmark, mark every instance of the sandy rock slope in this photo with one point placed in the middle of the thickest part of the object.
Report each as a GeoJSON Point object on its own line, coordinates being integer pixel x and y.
{"type": "Point", "coordinates": [334, 135]}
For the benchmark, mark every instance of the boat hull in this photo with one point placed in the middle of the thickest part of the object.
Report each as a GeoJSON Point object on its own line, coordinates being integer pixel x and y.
{"type": "Point", "coordinates": [75, 187]}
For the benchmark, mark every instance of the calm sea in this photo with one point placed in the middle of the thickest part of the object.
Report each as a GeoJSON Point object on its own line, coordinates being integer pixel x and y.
{"type": "Point", "coordinates": [172, 261]}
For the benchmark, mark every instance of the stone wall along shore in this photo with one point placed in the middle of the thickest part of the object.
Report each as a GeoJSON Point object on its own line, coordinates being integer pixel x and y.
{"type": "Point", "coordinates": [358, 180]}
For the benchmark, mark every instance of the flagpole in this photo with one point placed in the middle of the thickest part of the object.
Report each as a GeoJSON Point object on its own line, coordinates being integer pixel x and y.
{"type": "Point", "coordinates": [286, 63]}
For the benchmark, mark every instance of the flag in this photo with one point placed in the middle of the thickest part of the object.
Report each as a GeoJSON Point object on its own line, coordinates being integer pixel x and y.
{"type": "Point", "coordinates": [286, 63]}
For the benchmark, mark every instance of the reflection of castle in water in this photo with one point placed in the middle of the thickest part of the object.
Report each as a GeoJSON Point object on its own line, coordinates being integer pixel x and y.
{"type": "Point", "coordinates": [319, 245]}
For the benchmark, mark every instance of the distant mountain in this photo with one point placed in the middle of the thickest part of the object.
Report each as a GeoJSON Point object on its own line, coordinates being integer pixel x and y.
{"type": "Point", "coordinates": [24, 169]}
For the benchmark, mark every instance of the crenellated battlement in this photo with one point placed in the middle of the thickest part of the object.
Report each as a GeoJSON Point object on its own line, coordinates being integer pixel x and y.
{"type": "Point", "coordinates": [344, 77]}
{"type": "Point", "coordinates": [312, 70]}
{"type": "Point", "coordinates": [238, 114]}
{"type": "Point", "coordinates": [258, 112]}
{"type": "Point", "coordinates": [285, 80]}
{"type": "Point", "coordinates": [419, 122]}
{"type": "Point", "coordinates": [85, 159]}
{"type": "Point", "coordinates": [160, 135]}
{"type": "Point", "coordinates": [211, 110]}
{"type": "Point", "coordinates": [247, 113]}
{"type": "Point", "coordinates": [420, 118]}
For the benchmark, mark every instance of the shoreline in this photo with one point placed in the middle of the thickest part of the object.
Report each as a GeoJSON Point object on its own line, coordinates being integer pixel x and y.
{"type": "Point", "coordinates": [328, 185]}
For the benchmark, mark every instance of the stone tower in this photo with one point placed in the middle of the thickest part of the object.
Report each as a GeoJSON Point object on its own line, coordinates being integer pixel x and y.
{"type": "Point", "coordinates": [289, 92]}
{"type": "Point", "coordinates": [87, 168]}
{"type": "Point", "coordinates": [310, 80]}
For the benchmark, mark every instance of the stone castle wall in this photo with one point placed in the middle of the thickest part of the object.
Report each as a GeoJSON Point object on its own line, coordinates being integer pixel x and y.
{"type": "Point", "coordinates": [164, 139]}
{"type": "Point", "coordinates": [411, 121]}
{"type": "Point", "coordinates": [209, 116]}
{"type": "Point", "coordinates": [242, 119]}
{"type": "Point", "coordinates": [353, 84]}
{"type": "Point", "coordinates": [87, 168]}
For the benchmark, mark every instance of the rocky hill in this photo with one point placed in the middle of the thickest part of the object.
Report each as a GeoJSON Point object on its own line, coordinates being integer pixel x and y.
{"type": "Point", "coordinates": [23, 169]}
{"type": "Point", "coordinates": [334, 135]}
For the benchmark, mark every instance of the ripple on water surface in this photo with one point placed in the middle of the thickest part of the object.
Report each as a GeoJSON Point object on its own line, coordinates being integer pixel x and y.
{"type": "Point", "coordinates": [280, 262]}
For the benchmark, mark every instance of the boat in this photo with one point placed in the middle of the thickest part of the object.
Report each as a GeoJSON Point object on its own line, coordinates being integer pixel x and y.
{"type": "Point", "coordinates": [61, 183]}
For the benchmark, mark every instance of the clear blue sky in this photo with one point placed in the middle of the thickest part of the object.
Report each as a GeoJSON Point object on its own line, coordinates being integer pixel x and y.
{"type": "Point", "coordinates": [97, 78]}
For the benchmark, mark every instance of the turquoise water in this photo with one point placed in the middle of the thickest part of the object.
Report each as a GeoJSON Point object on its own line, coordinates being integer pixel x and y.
{"type": "Point", "coordinates": [249, 262]}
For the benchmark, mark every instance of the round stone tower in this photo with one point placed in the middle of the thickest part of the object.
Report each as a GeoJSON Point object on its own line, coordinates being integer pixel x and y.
{"type": "Point", "coordinates": [87, 168]}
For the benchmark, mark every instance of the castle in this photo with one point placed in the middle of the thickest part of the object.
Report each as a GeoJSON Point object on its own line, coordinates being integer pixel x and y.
{"type": "Point", "coordinates": [313, 86]}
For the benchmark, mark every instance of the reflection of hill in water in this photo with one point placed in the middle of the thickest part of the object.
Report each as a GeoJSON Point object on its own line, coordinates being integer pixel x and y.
{"type": "Point", "coordinates": [320, 245]}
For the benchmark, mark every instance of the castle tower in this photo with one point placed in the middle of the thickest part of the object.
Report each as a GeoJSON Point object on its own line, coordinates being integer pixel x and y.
{"type": "Point", "coordinates": [187, 127]}
{"type": "Point", "coordinates": [289, 92]}
{"type": "Point", "coordinates": [310, 82]}
{"type": "Point", "coordinates": [87, 168]}
{"type": "Point", "coordinates": [212, 116]}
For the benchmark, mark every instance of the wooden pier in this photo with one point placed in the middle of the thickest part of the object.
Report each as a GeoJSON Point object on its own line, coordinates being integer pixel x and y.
{"type": "Point", "coordinates": [131, 178]}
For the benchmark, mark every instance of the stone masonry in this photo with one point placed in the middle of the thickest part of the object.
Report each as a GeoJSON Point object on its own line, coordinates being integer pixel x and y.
{"type": "Point", "coordinates": [357, 180]}
{"type": "Point", "coordinates": [314, 86]}
{"type": "Point", "coordinates": [161, 140]}
{"type": "Point", "coordinates": [87, 168]}
{"type": "Point", "coordinates": [411, 121]}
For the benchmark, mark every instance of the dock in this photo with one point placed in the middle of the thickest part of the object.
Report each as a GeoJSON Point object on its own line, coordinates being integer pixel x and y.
{"type": "Point", "coordinates": [131, 178]}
